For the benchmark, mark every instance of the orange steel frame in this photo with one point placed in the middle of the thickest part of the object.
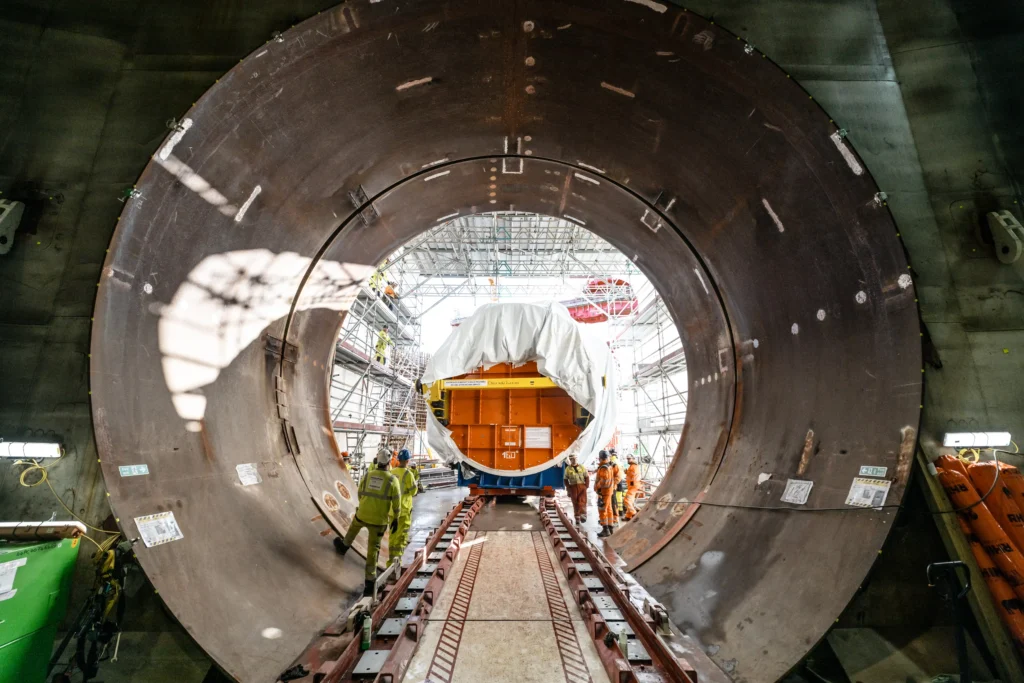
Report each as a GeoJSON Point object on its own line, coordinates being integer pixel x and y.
{"type": "Point", "coordinates": [489, 425]}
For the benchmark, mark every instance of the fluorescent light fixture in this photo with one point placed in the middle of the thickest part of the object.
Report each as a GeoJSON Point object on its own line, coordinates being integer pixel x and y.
{"type": "Point", "coordinates": [29, 451]}
{"type": "Point", "coordinates": [976, 439]}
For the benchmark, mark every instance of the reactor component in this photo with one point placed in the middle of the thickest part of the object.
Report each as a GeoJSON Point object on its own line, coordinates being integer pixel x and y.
{"type": "Point", "coordinates": [509, 418]}
{"type": "Point", "coordinates": [513, 391]}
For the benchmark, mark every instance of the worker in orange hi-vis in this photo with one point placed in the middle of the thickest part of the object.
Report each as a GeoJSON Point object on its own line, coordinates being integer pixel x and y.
{"type": "Point", "coordinates": [344, 460]}
{"type": "Point", "coordinates": [394, 459]}
{"type": "Point", "coordinates": [604, 486]}
{"type": "Point", "coordinates": [577, 481]}
{"type": "Point", "coordinates": [632, 486]}
{"type": "Point", "coordinates": [620, 485]}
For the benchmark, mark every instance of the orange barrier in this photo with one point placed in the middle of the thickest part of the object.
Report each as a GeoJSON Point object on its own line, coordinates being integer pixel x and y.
{"type": "Point", "coordinates": [993, 539]}
{"type": "Point", "coordinates": [1000, 501]}
{"type": "Point", "coordinates": [1009, 606]}
{"type": "Point", "coordinates": [1014, 480]}
{"type": "Point", "coordinates": [952, 463]}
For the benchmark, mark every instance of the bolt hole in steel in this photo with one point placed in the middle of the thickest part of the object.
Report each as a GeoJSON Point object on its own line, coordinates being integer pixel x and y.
{"type": "Point", "coordinates": [731, 187]}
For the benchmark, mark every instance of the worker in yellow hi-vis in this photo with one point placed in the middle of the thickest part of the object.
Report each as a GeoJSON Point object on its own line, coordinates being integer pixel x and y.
{"type": "Point", "coordinates": [380, 501]}
{"type": "Point", "coordinates": [377, 280]}
{"type": "Point", "coordinates": [408, 479]}
{"type": "Point", "coordinates": [383, 342]}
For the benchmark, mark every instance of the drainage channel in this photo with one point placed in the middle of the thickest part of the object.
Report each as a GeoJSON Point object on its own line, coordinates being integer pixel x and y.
{"type": "Point", "coordinates": [399, 619]}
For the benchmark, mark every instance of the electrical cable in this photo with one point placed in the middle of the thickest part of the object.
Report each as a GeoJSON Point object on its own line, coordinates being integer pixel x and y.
{"type": "Point", "coordinates": [33, 465]}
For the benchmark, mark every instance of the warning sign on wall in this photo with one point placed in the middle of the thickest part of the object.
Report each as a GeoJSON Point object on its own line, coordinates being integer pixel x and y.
{"type": "Point", "coordinates": [868, 493]}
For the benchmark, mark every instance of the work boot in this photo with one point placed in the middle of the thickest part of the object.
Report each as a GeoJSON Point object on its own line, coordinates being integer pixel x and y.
{"type": "Point", "coordinates": [339, 546]}
{"type": "Point", "coordinates": [369, 588]}
{"type": "Point", "coordinates": [605, 531]}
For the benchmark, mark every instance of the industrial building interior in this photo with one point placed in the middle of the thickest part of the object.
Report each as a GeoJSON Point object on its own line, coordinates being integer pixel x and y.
{"type": "Point", "coordinates": [237, 240]}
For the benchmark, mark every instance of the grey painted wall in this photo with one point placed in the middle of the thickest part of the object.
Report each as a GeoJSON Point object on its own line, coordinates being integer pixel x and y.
{"type": "Point", "coordinates": [926, 88]}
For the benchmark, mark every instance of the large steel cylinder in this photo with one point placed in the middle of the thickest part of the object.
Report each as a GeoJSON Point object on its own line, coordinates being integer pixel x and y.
{"type": "Point", "coordinates": [324, 150]}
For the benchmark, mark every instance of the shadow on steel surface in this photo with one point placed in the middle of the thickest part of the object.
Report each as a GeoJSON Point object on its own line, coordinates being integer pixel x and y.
{"type": "Point", "coordinates": [657, 130]}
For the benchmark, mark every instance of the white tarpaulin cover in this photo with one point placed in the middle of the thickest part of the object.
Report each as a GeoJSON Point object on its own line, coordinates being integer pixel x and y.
{"type": "Point", "coordinates": [520, 333]}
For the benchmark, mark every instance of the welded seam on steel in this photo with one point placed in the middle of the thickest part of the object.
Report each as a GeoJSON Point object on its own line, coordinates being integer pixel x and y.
{"type": "Point", "coordinates": [442, 664]}
{"type": "Point", "coordinates": [574, 666]}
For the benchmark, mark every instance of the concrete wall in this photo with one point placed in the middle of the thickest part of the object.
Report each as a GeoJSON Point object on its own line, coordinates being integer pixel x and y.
{"type": "Point", "coordinates": [926, 90]}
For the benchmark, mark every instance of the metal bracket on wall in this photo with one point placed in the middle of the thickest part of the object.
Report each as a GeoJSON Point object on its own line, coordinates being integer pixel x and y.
{"type": "Point", "coordinates": [279, 397]}
{"type": "Point", "coordinates": [1008, 235]}
{"type": "Point", "coordinates": [10, 219]}
{"type": "Point", "coordinates": [291, 442]}
{"type": "Point", "coordinates": [359, 199]}
{"type": "Point", "coordinates": [282, 350]}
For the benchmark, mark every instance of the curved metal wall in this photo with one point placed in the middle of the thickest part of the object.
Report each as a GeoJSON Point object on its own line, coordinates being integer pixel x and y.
{"type": "Point", "coordinates": [654, 128]}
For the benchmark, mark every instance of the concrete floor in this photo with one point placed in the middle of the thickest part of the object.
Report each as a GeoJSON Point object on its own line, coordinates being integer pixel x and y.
{"type": "Point", "coordinates": [511, 626]}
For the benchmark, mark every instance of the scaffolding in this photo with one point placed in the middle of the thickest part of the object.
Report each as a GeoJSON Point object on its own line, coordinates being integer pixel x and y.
{"type": "Point", "coordinates": [503, 255]}
{"type": "Point", "coordinates": [657, 387]}
{"type": "Point", "coordinates": [373, 395]}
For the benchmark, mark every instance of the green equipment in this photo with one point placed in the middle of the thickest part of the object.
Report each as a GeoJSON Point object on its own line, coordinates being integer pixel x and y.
{"type": "Point", "coordinates": [36, 565]}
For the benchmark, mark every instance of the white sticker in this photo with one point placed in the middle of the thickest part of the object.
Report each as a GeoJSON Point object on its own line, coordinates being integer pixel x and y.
{"type": "Point", "coordinates": [797, 491]}
{"type": "Point", "coordinates": [8, 570]}
{"type": "Point", "coordinates": [247, 474]}
{"type": "Point", "coordinates": [462, 383]}
{"type": "Point", "coordinates": [872, 471]}
{"type": "Point", "coordinates": [536, 437]}
{"type": "Point", "coordinates": [868, 493]}
{"type": "Point", "coordinates": [158, 529]}
{"type": "Point", "coordinates": [7, 595]}
{"type": "Point", "coordinates": [133, 470]}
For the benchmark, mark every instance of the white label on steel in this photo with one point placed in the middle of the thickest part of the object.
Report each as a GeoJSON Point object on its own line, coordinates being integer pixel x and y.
{"type": "Point", "coordinates": [797, 491]}
{"type": "Point", "coordinates": [7, 572]}
{"type": "Point", "coordinates": [868, 493]}
{"type": "Point", "coordinates": [538, 437]}
{"type": "Point", "coordinates": [158, 529]}
{"type": "Point", "coordinates": [465, 383]}
{"type": "Point", "coordinates": [133, 470]}
{"type": "Point", "coordinates": [247, 474]}
{"type": "Point", "coordinates": [873, 471]}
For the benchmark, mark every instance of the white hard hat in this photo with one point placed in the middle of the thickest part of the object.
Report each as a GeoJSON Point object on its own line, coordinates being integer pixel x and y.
{"type": "Point", "coordinates": [383, 457]}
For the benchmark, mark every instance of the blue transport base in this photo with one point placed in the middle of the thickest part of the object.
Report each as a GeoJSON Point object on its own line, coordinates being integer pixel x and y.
{"type": "Point", "coordinates": [541, 483]}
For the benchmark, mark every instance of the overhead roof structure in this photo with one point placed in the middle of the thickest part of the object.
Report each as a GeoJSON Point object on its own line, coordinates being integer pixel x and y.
{"type": "Point", "coordinates": [672, 140]}
{"type": "Point", "coordinates": [503, 254]}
